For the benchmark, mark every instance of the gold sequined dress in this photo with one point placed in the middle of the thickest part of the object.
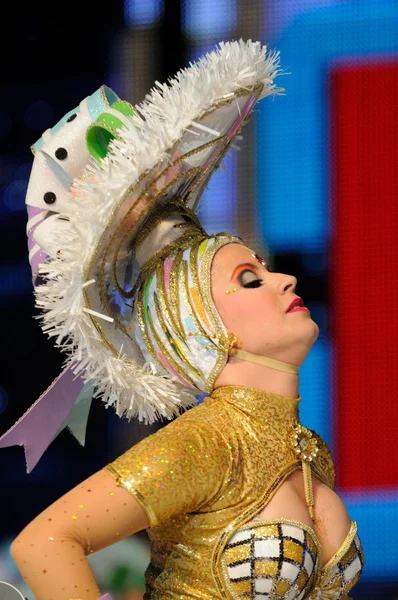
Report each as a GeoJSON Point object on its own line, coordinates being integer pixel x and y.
{"type": "Point", "coordinates": [202, 479]}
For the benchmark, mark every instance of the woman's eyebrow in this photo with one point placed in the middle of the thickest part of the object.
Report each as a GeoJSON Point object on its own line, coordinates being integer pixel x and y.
{"type": "Point", "coordinates": [241, 267]}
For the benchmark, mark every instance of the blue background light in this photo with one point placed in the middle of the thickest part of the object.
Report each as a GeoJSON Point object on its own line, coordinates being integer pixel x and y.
{"type": "Point", "coordinates": [142, 12]}
{"type": "Point", "coordinates": [293, 185]}
{"type": "Point", "coordinates": [206, 18]}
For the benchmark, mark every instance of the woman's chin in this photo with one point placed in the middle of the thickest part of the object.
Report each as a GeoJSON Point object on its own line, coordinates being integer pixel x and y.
{"type": "Point", "coordinates": [316, 331]}
{"type": "Point", "coordinates": [311, 335]}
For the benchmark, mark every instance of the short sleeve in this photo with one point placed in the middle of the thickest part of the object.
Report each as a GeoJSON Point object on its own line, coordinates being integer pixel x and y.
{"type": "Point", "coordinates": [179, 469]}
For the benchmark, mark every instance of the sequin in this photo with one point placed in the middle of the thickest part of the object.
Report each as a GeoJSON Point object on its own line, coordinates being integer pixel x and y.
{"type": "Point", "coordinates": [203, 476]}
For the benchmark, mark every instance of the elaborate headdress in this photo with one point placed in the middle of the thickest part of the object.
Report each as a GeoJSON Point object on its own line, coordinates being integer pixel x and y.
{"type": "Point", "coordinates": [121, 263]}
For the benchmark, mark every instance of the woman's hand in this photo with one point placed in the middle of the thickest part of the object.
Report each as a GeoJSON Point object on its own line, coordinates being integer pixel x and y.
{"type": "Point", "coordinates": [51, 551]}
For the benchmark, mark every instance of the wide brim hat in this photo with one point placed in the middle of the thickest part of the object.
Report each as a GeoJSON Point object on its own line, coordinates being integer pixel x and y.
{"type": "Point", "coordinates": [161, 153]}
{"type": "Point", "coordinates": [166, 151]}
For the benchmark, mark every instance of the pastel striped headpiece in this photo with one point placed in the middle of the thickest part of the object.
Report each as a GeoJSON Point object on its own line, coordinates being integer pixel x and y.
{"type": "Point", "coordinates": [177, 325]}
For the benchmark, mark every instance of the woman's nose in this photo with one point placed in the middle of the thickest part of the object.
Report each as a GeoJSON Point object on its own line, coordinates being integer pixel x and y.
{"type": "Point", "coordinates": [287, 283]}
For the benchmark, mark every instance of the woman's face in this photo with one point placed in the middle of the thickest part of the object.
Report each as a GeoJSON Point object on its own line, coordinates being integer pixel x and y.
{"type": "Point", "coordinates": [256, 312]}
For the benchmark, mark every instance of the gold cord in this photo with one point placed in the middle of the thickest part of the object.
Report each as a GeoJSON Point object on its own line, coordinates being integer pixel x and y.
{"type": "Point", "coordinates": [309, 495]}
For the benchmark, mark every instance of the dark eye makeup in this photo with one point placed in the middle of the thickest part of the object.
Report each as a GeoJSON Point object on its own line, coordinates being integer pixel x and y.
{"type": "Point", "coordinates": [253, 284]}
{"type": "Point", "coordinates": [248, 279]}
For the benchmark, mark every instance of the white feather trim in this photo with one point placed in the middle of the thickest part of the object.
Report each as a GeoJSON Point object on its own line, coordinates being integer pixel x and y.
{"type": "Point", "coordinates": [136, 391]}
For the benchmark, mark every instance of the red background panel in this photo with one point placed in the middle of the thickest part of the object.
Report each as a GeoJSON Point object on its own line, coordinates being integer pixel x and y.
{"type": "Point", "coordinates": [364, 272]}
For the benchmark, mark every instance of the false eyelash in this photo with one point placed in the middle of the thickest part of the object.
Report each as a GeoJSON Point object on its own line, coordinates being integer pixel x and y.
{"type": "Point", "coordinates": [253, 284]}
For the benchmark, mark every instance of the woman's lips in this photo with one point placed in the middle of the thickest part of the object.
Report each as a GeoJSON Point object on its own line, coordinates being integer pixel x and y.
{"type": "Point", "coordinates": [298, 309]}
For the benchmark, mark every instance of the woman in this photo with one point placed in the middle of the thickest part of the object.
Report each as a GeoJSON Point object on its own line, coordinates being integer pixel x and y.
{"type": "Point", "coordinates": [235, 494]}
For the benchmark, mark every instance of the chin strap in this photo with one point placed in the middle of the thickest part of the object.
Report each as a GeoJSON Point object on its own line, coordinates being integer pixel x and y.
{"type": "Point", "coordinates": [262, 360]}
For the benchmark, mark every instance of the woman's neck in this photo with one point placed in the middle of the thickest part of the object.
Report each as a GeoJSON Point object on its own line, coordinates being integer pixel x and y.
{"type": "Point", "coordinates": [245, 373]}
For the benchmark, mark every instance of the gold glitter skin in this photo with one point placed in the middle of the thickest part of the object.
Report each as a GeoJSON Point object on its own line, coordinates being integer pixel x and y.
{"type": "Point", "coordinates": [207, 474]}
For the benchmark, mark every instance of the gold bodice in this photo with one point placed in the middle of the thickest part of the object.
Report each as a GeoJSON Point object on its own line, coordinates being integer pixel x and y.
{"type": "Point", "coordinates": [205, 475]}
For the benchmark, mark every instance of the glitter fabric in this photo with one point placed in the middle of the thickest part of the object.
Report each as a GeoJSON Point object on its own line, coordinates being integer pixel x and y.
{"type": "Point", "coordinates": [205, 475]}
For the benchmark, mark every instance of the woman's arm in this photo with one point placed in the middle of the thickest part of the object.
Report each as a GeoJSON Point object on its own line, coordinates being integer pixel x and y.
{"type": "Point", "coordinates": [51, 551]}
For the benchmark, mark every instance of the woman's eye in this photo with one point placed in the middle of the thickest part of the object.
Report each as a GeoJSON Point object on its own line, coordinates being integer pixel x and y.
{"type": "Point", "coordinates": [253, 284]}
{"type": "Point", "coordinates": [248, 279]}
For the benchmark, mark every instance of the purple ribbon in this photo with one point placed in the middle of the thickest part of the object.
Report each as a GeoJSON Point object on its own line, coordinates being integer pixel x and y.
{"type": "Point", "coordinates": [42, 422]}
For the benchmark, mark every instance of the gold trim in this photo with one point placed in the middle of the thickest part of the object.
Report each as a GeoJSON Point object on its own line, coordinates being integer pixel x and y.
{"type": "Point", "coordinates": [149, 344]}
{"type": "Point", "coordinates": [176, 207]}
{"type": "Point", "coordinates": [185, 239]}
{"type": "Point", "coordinates": [144, 332]}
{"type": "Point", "coordinates": [181, 243]}
{"type": "Point", "coordinates": [164, 301]}
{"type": "Point", "coordinates": [343, 548]}
{"type": "Point", "coordinates": [171, 250]}
{"type": "Point", "coordinates": [152, 201]}
{"type": "Point", "coordinates": [105, 126]}
{"type": "Point", "coordinates": [174, 291]}
{"type": "Point", "coordinates": [167, 355]}
{"type": "Point", "coordinates": [104, 97]}
{"type": "Point", "coordinates": [193, 263]}
{"type": "Point", "coordinates": [184, 290]}
{"type": "Point", "coordinates": [176, 350]}
{"type": "Point", "coordinates": [126, 103]}
{"type": "Point", "coordinates": [153, 520]}
{"type": "Point", "coordinates": [222, 239]}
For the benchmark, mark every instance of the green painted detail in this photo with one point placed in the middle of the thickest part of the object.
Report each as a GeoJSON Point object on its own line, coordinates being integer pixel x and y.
{"type": "Point", "coordinates": [108, 120]}
{"type": "Point", "coordinates": [98, 138]}
{"type": "Point", "coordinates": [104, 129]}
{"type": "Point", "coordinates": [123, 107]}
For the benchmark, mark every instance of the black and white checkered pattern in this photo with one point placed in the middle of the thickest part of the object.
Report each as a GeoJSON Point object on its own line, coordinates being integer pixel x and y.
{"type": "Point", "coordinates": [345, 573]}
{"type": "Point", "coordinates": [271, 562]}
{"type": "Point", "coordinates": [279, 560]}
